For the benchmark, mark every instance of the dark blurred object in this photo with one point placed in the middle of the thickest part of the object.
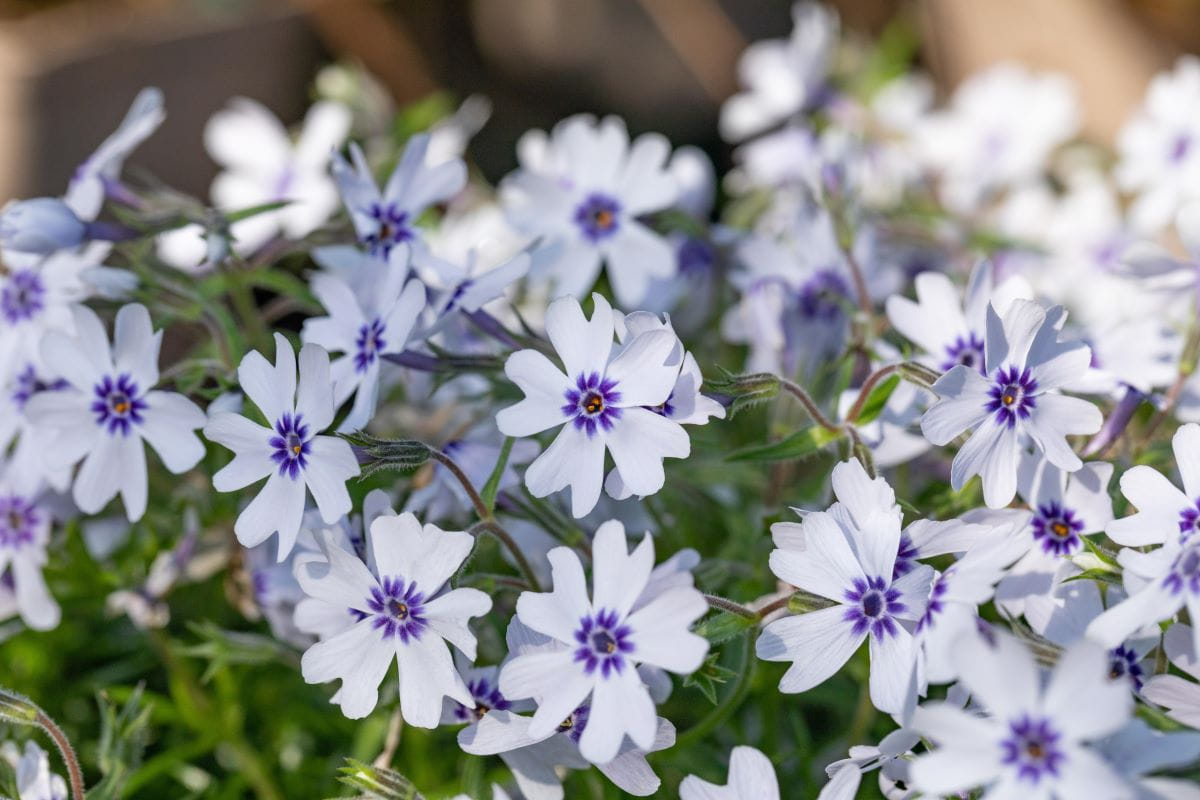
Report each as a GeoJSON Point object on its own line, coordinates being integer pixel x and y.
{"type": "Point", "coordinates": [69, 72]}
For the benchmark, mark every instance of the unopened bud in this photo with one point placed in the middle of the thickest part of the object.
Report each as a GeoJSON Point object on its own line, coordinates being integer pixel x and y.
{"type": "Point", "coordinates": [41, 225]}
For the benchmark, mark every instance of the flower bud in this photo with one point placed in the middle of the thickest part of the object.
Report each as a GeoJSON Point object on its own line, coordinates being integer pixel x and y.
{"type": "Point", "coordinates": [42, 225]}
{"type": "Point", "coordinates": [16, 709]}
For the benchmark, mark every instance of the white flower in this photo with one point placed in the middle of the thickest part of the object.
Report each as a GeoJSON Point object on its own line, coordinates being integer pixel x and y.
{"type": "Point", "coordinates": [388, 218]}
{"type": "Point", "coordinates": [44, 225]}
{"type": "Point", "coordinates": [599, 642]}
{"type": "Point", "coordinates": [950, 326]}
{"type": "Point", "coordinates": [35, 781]}
{"type": "Point", "coordinates": [848, 555]}
{"type": "Point", "coordinates": [1064, 508]}
{"type": "Point", "coordinates": [1179, 696]}
{"type": "Point", "coordinates": [1160, 146]}
{"type": "Point", "coordinates": [999, 130]}
{"type": "Point", "coordinates": [1025, 364]}
{"type": "Point", "coordinates": [1033, 744]}
{"type": "Point", "coordinates": [584, 189]}
{"type": "Point", "coordinates": [782, 77]}
{"type": "Point", "coordinates": [751, 777]}
{"type": "Point", "coordinates": [37, 296]}
{"type": "Point", "coordinates": [405, 616]}
{"type": "Point", "coordinates": [25, 520]}
{"type": "Point", "coordinates": [534, 760]}
{"type": "Point", "coordinates": [291, 452]}
{"type": "Point", "coordinates": [96, 176]}
{"type": "Point", "coordinates": [261, 165]}
{"type": "Point", "coordinates": [1164, 513]}
{"type": "Point", "coordinates": [1138, 749]}
{"type": "Point", "coordinates": [110, 407]}
{"type": "Point", "coordinates": [364, 327]}
{"type": "Point", "coordinates": [601, 402]}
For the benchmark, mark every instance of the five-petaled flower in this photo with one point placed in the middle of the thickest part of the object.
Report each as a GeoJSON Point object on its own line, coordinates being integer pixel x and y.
{"type": "Point", "coordinates": [404, 613]}
{"type": "Point", "coordinates": [601, 402]}
{"type": "Point", "coordinates": [110, 407]}
{"type": "Point", "coordinates": [598, 643]}
{"type": "Point", "coordinates": [290, 453]}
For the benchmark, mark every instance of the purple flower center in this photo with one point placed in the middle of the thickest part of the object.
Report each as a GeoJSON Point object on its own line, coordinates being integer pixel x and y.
{"type": "Point", "coordinates": [19, 518]}
{"type": "Point", "coordinates": [118, 404]}
{"type": "Point", "coordinates": [1124, 662]}
{"type": "Point", "coordinates": [1013, 395]}
{"type": "Point", "coordinates": [598, 217]}
{"type": "Point", "coordinates": [906, 557]}
{"type": "Point", "coordinates": [966, 350]}
{"type": "Point", "coordinates": [1185, 572]}
{"type": "Point", "coordinates": [290, 445]}
{"type": "Point", "coordinates": [23, 296]}
{"type": "Point", "coordinates": [603, 643]}
{"type": "Point", "coordinates": [1189, 520]}
{"type": "Point", "coordinates": [1032, 747]}
{"type": "Point", "coordinates": [487, 697]}
{"type": "Point", "coordinates": [824, 296]}
{"type": "Point", "coordinates": [369, 344]}
{"type": "Point", "coordinates": [392, 226]}
{"type": "Point", "coordinates": [590, 403]}
{"type": "Point", "coordinates": [1058, 529]}
{"type": "Point", "coordinates": [575, 723]}
{"type": "Point", "coordinates": [873, 603]}
{"type": "Point", "coordinates": [399, 609]}
{"type": "Point", "coordinates": [28, 384]}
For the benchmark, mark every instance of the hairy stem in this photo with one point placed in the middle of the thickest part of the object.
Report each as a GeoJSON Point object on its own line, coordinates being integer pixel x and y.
{"type": "Point", "coordinates": [74, 773]}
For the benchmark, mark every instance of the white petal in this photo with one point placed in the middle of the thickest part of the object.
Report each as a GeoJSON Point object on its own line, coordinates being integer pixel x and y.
{"type": "Point", "coordinates": [818, 644]}
{"type": "Point", "coordinates": [955, 769]}
{"type": "Point", "coordinates": [134, 483]}
{"type": "Point", "coordinates": [560, 612]}
{"type": "Point", "coordinates": [342, 581]}
{"type": "Point", "coordinates": [271, 388]}
{"type": "Point", "coordinates": [660, 634]}
{"type": "Point", "coordinates": [641, 371]}
{"type": "Point", "coordinates": [1186, 447]}
{"type": "Point", "coordinates": [1081, 698]}
{"type": "Point", "coordinates": [1158, 502]}
{"type": "Point", "coordinates": [426, 675]}
{"type": "Point", "coordinates": [331, 463]}
{"type": "Point", "coordinates": [100, 477]}
{"type": "Point", "coordinates": [618, 576]}
{"type": "Point", "coordinates": [168, 424]}
{"type": "Point", "coordinates": [1003, 677]}
{"type": "Point", "coordinates": [620, 706]}
{"type": "Point", "coordinates": [635, 256]}
{"type": "Point", "coordinates": [892, 663]}
{"type": "Point", "coordinates": [582, 344]}
{"type": "Point", "coordinates": [314, 399]}
{"type": "Point", "coordinates": [278, 506]}
{"type": "Point", "coordinates": [963, 393]}
{"type": "Point", "coordinates": [826, 566]}
{"type": "Point", "coordinates": [544, 387]}
{"type": "Point", "coordinates": [573, 459]}
{"type": "Point", "coordinates": [638, 442]}
{"type": "Point", "coordinates": [39, 610]}
{"type": "Point", "coordinates": [448, 615]}
{"type": "Point", "coordinates": [359, 658]}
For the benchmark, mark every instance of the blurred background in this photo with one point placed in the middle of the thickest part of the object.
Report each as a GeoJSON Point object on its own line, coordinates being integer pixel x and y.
{"type": "Point", "coordinates": [68, 68]}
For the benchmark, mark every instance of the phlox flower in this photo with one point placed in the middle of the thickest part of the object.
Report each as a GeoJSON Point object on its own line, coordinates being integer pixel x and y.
{"type": "Point", "coordinates": [27, 512]}
{"type": "Point", "coordinates": [31, 767]}
{"type": "Point", "coordinates": [1064, 508]}
{"type": "Point", "coordinates": [998, 130]}
{"type": "Point", "coordinates": [291, 454]}
{"type": "Point", "coordinates": [44, 225]}
{"type": "Point", "coordinates": [751, 777]}
{"type": "Point", "coordinates": [848, 554]}
{"type": "Point", "coordinates": [583, 188]}
{"type": "Point", "coordinates": [782, 76]}
{"type": "Point", "coordinates": [1159, 147]}
{"type": "Point", "coordinates": [598, 642]}
{"type": "Point", "coordinates": [364, 326]}
{"type": "Point", "coordinates": [405, 615]}
{"type": "Point", "coordinates": [384, 219]}
{"type": "Point", "coordinates": [1025, 364]}
{"type": "Point", "coordinates": [110, 407]}
{"type": "Point", "coordinates": [1137, 750]}
{"type": "Point", "coordinates": [535, 760]}
{"type": "Point", "coordinates": [1164, 513]}
{"type": "Point", "coordinates": [601, 401]}
{"type": "Point", "coordinates": [262, 165]}
{"type": "Point", "coordinates": [1033, 743]}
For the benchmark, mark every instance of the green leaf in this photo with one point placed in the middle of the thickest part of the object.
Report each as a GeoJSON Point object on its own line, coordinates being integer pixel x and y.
{"type": "Point", "coordinates": [8, 780]}
{"type": "Point", "coordinates": [378, 783]}
{"type": "Point", "coordinates": [723, 626]}
{"type": "Point", "coordinates": [222, 648]}
{"type": "Point", "coordinates": [493, 482]}
{"type": "Point", "coordinates": [709, 676]}
{"type": "Point", "coordinates": [123, 736]}
{"type": "Point", "coordinates": [1101, 575]}
{"type": "Point", "coordinates": [246, 213]}
{"type": "Point", "coordinates": [798, 445]}
{"type": "Point", "coordinates": [876, 401]}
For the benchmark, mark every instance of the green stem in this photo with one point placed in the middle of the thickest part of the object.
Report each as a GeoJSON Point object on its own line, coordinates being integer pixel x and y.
{"type": "Point", "coordinates": [74, 773]}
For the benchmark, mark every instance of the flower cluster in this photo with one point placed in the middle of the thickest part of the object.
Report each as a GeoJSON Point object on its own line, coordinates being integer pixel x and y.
{"type": "Point", "coordinates": [358, 323]}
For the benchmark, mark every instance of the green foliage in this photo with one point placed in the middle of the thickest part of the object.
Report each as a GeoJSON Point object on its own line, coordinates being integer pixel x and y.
{"type": "Point", "coordinates": [378, 783]}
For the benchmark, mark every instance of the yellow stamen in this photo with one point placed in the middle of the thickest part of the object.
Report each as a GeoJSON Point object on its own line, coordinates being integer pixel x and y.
{"type": "Point", "coordinates": [1060, 529]}
{"type": "Point", "coordinates": [604, 219]}
{"type": "Point", "coordinates": [1009, 399]}
{"type": "Point", "coordinates": [121, 407]}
